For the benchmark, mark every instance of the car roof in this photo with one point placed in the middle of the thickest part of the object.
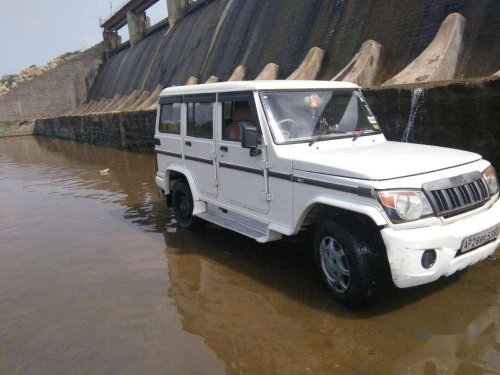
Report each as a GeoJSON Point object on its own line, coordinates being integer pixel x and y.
{"type": "Point", "coordinates": [211, 88]}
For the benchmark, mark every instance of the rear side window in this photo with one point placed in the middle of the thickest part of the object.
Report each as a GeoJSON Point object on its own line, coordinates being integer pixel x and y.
{"type": "Point", "coordinates": [200, 120]}
{"type": "Point", "coordinates": [170, 118]}
{"type": "Point", "coordinates": [236, 113]}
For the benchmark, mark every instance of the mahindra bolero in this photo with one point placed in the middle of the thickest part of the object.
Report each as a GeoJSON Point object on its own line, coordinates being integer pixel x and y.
{"type": "Point", "coordinates": [269, 159]}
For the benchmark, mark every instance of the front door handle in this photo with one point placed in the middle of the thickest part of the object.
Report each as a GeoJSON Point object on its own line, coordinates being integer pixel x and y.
{"type": "Point", "coordinates": [224, 148]}
{"type": "Point", "coordinates": [187, 143]}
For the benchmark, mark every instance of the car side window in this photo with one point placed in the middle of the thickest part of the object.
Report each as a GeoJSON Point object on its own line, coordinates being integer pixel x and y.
{"type": "Point", "coordinates": [236, 113]}
{"type": "Point", "coordinates": [170, 118]}
{"type": "Point", "coordinates": [200, 120]}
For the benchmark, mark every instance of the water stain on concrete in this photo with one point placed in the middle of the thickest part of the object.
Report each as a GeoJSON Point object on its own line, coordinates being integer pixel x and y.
{"type": "Point", "coordinates": [96, 278]}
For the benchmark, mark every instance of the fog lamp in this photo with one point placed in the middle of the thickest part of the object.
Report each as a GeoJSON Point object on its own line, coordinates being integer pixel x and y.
{"type": "Point", "coordinates": [428, 258]}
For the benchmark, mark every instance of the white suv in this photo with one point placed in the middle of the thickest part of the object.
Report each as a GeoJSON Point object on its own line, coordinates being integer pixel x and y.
{"type": "Point", "coordinates": [273, 158]}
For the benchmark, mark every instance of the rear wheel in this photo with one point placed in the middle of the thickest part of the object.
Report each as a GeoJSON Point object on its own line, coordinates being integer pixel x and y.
{"type": "Point", "coordinates": [182, 203]}
{"type": "Point", "coordinates": [344, 260]}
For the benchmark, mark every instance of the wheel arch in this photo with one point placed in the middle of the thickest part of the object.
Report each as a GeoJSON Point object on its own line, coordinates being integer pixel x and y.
{"type": "Point", "coordinates": [327, 204]}
{"type": "Point", "coordinates": [353, 215]}
{"type": "Point", "coordinates": [175, 172]}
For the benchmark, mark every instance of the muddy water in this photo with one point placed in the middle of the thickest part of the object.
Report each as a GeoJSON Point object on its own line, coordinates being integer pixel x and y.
{"type": "Point", "coordinates": [95, 278]}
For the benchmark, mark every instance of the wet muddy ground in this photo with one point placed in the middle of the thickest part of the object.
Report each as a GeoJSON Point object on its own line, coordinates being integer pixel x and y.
{"type": "Point", "coordinates": [95, 278]}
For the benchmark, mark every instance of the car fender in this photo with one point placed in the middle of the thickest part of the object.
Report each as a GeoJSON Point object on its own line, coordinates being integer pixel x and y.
{"type": "Point", "coordinates": [189, 177]}
{"type": "Point", "coordinates": [364, 206]}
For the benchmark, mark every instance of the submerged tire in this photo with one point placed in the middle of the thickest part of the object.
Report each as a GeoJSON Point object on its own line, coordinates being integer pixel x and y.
{"type": "Point", "coordinates": [182, 203]}
{"type": "Point", "coordinates": [344, 260]}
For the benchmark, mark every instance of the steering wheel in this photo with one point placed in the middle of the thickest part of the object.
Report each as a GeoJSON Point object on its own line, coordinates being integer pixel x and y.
{"type": "Point", "coordinates": [288, 127]}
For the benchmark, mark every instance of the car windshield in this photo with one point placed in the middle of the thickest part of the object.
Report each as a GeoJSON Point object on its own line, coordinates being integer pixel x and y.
{"type": "Point", "coordinates": [301, 116]}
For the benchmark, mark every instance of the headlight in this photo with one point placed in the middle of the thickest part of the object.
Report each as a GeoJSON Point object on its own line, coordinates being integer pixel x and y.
{"type": "Point", "coordinates": [405, 205]}
{"type": "Point", "coordinates": [490, 175]}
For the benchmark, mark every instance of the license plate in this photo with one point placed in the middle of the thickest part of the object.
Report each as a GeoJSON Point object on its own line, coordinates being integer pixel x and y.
{"type": "Point", "coordinates": [479, 239]}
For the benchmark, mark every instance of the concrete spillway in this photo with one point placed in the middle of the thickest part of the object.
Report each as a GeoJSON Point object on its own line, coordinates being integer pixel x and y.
{"type": "Point", "coordinates": [224, 34]}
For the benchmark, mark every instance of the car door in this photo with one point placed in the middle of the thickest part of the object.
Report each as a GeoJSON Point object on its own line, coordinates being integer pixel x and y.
{"type": "Point", "coordinates": [240, 175]}
{"type": "Point", "coordinates": [199, 148]}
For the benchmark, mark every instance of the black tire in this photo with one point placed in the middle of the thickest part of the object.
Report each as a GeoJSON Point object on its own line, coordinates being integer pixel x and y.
{"type": "Point", "coordinates": [357, 289]}
{"type": "Point", "coordinates": [182, 203]}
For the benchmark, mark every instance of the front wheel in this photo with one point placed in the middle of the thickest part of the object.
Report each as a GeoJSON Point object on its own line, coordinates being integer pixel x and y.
{"type": "Point", "coordinates": [344, 261]}
{"type": "Point", "coordinates": [182, 203]}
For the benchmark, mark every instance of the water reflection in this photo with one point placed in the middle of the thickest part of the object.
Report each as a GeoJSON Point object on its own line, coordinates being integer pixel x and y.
{"type": "Point", "coordinates": [257, 308]}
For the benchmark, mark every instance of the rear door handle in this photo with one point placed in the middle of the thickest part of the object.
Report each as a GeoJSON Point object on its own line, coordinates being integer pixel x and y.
{"type": "Point", "coordinates": [224, 148]}
{"type": "Point", "coordinates": [187, 143]}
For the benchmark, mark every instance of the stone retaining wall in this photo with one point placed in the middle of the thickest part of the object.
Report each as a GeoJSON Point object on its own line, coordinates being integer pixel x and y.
{"type": "Point", "coordinates": [132, 131]}
{"type": "Point", "coordinates": [55, 92]}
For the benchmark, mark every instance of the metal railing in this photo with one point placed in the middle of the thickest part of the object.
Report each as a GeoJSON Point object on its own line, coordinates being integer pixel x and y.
{"type": "Point", "coordinates": [103, 20]}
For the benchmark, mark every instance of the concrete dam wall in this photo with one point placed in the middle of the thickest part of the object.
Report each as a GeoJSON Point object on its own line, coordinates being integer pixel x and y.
{"type": "Point", "coordinates": [386, 42]}
{"type": "Point", "coordinates": [223, 34]}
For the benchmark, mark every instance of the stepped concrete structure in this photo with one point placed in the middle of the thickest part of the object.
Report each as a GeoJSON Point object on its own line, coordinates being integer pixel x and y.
{"type": "Point", "coordinates": [92, 104]}
{"type": "Point", "coordinates": [113, 102]}
{"type": "Point", "coordinates": [439, 61]}
{"type": "Point", "coordinates": [271, 71]}
{"type": "Point", "coordinates": [238, 74]}
{"type": "Point", "coordinates": [364, 66]}
{"type": "Point", "coordinates": [152, 100]}
{"type": "Point", "coordinates": [311, 66]}
{"type": "Point", "coordinates": [117, 104]}
{"type": "Point", "coordinates": [102, 104]}
{"type": "Point", "coordinates": [212, 79]}
{"type": "Point", "coordinates": [192, 81]}
{"type": "Point", "coordinates": [141, 99]}
{"type": "Point", "coordinates": [82, 109]}
{"type": "Point", "coordinates": [129, 100]}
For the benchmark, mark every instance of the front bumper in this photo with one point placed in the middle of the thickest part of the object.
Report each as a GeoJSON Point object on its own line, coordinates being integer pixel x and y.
{"type": "Point", "coordinates": [405, 248]}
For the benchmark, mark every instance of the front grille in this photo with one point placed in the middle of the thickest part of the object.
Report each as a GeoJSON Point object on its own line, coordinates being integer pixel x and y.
{"type": "Point", "coordinates": [452, 196]}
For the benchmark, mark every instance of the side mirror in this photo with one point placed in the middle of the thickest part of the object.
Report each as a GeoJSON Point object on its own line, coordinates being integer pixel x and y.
{"type": "Point", "coordinates": [249, 139]}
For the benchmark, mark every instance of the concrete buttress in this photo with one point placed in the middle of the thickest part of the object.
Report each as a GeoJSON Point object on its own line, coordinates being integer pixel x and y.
{"type": "Point", "coordinates": [363, 67]}
{"type": "Point", "coordinates": [438, 62]}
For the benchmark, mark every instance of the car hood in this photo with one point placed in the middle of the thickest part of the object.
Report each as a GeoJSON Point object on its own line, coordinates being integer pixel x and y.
{"type": "Point", "coordinates": [382, 161]}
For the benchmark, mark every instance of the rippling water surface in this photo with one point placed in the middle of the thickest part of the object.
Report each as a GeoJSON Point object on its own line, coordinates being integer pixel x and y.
{"type": "Point", "coordinates": [95, 278]}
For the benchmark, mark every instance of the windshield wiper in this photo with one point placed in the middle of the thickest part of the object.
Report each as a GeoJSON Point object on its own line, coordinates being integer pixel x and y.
{"type": "Point", "coordinates": [325, 132]}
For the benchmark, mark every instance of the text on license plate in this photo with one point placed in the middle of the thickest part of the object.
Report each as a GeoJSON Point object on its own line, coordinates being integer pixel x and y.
{"type": "Point", "coordinates": [479, 239]}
